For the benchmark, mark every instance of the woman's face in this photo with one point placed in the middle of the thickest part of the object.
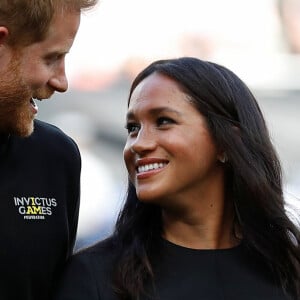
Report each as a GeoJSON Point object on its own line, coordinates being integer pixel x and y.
{"type": "Point", "coordinates": [169, 154]}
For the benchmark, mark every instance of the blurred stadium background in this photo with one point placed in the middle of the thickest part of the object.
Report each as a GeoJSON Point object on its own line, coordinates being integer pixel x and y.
{"type": "Point", "coordinates": [258, 40]}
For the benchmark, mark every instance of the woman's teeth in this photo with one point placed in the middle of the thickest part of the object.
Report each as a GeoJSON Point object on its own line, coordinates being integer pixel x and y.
{"type": "Point", "coordinates": [149, 167]}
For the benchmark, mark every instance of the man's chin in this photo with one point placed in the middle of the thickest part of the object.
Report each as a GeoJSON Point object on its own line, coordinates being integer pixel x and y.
{"type": "Point", "coordinates": [24, 130]}
{"type": "Point", "coordinates": [27, 131]}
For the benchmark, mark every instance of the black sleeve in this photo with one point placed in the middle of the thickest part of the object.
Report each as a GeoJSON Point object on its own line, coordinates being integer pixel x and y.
{"type": "Point", "coordinates": [78, 281]}
{"type": "Point", "coordinates": [74, 202]}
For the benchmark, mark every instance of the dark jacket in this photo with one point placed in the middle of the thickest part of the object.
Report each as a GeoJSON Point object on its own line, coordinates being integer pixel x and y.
{"type": "Point", "coordinates": [39, 202]}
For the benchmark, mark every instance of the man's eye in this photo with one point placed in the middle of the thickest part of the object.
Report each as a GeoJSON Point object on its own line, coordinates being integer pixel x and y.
{"type": "Point", "coordinates": [132, 127]}
{"type": "Point", "coordinates": [53, 58]}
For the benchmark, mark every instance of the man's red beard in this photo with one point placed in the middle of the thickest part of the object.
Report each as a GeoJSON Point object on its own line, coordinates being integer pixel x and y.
{"type": "Point", "coordinates": [16, 114]}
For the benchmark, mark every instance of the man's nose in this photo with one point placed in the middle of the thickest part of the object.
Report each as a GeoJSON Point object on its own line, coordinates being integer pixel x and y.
{"type": "Point", "coordinates": [59, 81]}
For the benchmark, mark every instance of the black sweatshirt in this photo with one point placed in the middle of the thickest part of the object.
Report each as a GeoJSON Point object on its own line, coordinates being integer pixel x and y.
{"type": "Point", "coordinates": [39, 202]}
{"type": "Point", "coordinates": [180, 273]}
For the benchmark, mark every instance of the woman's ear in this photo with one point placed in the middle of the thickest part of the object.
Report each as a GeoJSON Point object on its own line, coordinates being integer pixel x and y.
{"type": "Point", "coordinates": [222, 155]}
{"type": "Point", "coordinates": [3, 34]}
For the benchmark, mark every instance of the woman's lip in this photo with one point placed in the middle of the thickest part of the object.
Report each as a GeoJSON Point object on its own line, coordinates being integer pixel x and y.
{"type": "Point", "coordinates": [150, 160]}
{"type": "Point", "coordinates": [147, 167]}
{"type": "Point", "coordinates": [149, 173]}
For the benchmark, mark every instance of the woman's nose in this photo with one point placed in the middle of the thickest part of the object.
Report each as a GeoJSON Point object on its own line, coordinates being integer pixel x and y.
{"type": "Point", "coordinates": [144, 141]}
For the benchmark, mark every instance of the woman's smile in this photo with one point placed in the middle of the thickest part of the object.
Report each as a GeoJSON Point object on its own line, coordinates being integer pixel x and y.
{"type": "Point", "coordinates": [169, 149]}
{"type": "Point", "coordinates": [149, 169]}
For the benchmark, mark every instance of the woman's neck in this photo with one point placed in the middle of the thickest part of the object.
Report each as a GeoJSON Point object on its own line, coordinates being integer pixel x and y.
{"type": "Point", "coordinates": [198, 229]}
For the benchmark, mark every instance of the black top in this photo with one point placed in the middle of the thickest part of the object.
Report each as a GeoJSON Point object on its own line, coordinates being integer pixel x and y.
{"type": "Point", "coordinates": [180, 273]}
{"type": "Point", "coordinates": [39, 200]}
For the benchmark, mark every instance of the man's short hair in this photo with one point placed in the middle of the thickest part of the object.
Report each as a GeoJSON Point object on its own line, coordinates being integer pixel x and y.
{"type": "Point", "coordinates": [28, 21]}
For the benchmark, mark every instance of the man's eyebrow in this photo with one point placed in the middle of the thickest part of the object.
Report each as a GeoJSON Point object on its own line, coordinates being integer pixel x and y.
{"type": "Point", "coordinates": [56, 53]}
{"type": "Point", "coordinates": [154, 111]}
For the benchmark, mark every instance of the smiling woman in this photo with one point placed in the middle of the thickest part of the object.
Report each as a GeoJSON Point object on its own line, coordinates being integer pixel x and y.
{"type": "Point", "coordinates": [204, 215]}
{"type": "Point", "coordinates": [164, 129]}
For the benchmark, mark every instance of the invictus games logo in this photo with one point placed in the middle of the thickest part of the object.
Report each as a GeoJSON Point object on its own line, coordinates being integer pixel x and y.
{"type": "Point", "coordinates": [35, 207]}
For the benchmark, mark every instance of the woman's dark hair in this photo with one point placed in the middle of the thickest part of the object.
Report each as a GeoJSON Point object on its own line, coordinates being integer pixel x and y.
{"type": "Point", "coordinates": [253, 180]}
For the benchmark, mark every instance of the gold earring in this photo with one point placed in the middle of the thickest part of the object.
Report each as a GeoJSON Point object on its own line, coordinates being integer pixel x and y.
{"type": "Point", "coordinates": [223, 159]}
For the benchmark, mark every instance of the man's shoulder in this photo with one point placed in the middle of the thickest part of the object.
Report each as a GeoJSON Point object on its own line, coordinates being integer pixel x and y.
{"type": "Point", "coordinates": [51, 139]}
{"type": "Point", "coordinates": [42, 128]}
{"type": "Point", "coordinates": [50, 133]}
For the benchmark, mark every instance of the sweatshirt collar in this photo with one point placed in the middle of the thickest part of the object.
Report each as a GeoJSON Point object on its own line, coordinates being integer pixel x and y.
{"type": "Point", "coordinates": [4, 139]}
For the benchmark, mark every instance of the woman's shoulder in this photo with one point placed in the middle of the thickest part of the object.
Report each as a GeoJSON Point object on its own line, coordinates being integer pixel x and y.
{"type": "Point", "coordinates": [102, 251]}
{"type": "Point", "coordinates": [88, 274]}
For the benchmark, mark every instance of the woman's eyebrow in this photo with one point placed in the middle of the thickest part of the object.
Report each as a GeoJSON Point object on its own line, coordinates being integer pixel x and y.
{"type": "Point", "coordinates": [154, 111]}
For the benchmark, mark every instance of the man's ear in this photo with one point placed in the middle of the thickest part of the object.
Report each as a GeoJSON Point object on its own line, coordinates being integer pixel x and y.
{"type": "Point", "coordinates": [3, 34]}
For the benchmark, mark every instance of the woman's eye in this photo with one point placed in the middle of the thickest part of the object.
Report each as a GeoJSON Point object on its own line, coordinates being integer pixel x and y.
{"type": "Point", "coordinates": [132, 127]}
{"type": "Point", "coordinates": [164, 121]}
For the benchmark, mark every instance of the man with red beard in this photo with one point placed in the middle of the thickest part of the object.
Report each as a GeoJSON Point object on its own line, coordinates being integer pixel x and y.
{"type": "Point", "coordinates": [39, 164]}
